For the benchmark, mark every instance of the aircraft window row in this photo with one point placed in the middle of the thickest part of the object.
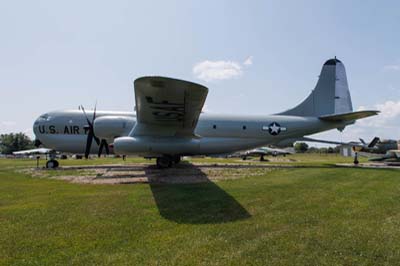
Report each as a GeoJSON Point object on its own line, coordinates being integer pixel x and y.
{"type": "Point", "coordinates": [244, 127]}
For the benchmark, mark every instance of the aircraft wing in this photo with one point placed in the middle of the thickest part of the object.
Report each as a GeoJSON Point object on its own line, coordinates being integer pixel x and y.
{"type": "Point", "coordinates": [352, 144]}
{"type": "Point", "coordinates": [258, 152]}
{"type": "Point", "coordinates": [396, 153]}
{"type": "Point", "coordinates": [33, 151]}
{"type": "Point", "coordinates": [167, 107]}
{"type": "Point", "coordinates": [390, 155]}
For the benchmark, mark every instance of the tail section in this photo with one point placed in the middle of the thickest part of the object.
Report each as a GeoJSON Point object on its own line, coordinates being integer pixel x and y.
{"type": "Point", "coordinates": [331, 94]}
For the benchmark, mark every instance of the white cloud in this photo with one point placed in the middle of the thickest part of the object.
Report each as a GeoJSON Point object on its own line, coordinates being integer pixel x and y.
{"type": "Point", "coordinates": [248, 61]}
{"type": "Point", "coordinates": [391, 68]}
{"type": "Point", "coordinates": [217, 70]}
{"type": "Point", "coordinates": [8, 123]}
{"type": "Point", "coordinates": [220, 70]}
{"type": "Point", "coordinates": [7, 126]}
{"type": "Point", "coordinates": [29, 132]}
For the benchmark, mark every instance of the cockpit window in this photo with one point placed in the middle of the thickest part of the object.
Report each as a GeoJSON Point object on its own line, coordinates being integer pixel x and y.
{"type": "Point", "coordinates": [45, 117]}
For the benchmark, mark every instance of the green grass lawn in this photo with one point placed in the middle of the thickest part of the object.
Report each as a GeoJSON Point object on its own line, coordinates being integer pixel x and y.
{"type": "Point", "coordinates": [314, 215]}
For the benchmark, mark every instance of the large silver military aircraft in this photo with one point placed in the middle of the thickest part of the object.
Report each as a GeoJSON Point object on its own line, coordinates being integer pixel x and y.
{"type": "Point", "coordinates": [168, 122]}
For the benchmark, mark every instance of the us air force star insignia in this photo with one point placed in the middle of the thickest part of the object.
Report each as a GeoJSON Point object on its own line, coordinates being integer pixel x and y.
{"type": "Point", "coordinates": [274, 128]}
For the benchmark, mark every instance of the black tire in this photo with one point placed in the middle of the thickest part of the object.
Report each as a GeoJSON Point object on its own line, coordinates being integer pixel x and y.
{"type": "Point", "coordinates": [164, 162]}
{"type": "Point", "coordinates": [177, 159]}
{"type": "Point", "coordinates": [51, 164]}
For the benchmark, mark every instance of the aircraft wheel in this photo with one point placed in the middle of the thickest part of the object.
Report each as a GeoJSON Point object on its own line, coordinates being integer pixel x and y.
{"type": "Point", "coordinates": [244, 158]}
{"type": "Point", "coordinates": [262, 158]}
{"type": "Point", "coordinates": [164, 162]}
{"type": "Point", "coordinates": [177, 159]}
{"type": "Point", "coordinates": [51, 164]}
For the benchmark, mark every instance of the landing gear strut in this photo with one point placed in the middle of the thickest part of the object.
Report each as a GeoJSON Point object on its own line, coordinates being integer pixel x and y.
{"type": "Point", "coordinates": [167, 161]}
{"type": "Point", "coordinates": [356, 162]}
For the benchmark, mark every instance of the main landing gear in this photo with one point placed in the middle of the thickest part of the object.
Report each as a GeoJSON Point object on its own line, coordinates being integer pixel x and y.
{"type": "Point", "coordinates": [167, 161]}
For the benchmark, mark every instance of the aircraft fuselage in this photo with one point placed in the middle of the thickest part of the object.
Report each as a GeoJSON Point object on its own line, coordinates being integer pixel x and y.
{"type": "Point", "coordinates": [66, 131]}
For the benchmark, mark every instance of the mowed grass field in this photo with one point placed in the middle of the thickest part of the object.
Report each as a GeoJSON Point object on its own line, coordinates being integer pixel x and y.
{"type": "Point", "coordinates": [316, 214]}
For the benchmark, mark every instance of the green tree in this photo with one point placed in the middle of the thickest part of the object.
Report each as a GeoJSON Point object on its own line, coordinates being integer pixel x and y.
{"type": "Point", "coordinates": [14, 142]}
{"type": "Point", "coordinates": [301, 147]}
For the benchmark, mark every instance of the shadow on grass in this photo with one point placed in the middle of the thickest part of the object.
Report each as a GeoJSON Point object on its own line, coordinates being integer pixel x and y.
{"type": "Point", "coordinates": [200, 203]}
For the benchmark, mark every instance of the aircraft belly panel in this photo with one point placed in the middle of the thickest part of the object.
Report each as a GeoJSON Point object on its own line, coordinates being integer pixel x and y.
{"type": "Point", "coordinates": [68, 143]}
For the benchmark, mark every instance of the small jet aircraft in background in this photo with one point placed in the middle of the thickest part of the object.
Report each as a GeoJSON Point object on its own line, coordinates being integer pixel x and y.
{"type": "Point", "coordinates": [381, 146]}
{"type": "Point", "coordinates": [34, 151]}
{"type": "Point", "coordinates": [39, 151]}
{"type": "Point", "coordinates": [265, 151]}
{"type": "Point", "coordinates": [390, 156]}
{"type": "Point", "coordinates": [168, 123]}
{"type": "Point", "coordinates": [357, 146]}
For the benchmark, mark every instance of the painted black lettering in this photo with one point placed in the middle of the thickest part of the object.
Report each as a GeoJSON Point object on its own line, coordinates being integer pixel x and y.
{"type": "Point", "coordinates": [52, 129]}
{"type": "Point", "coordinates": [163, 102]}
{"type": "Point", "coordinates": [168, 116]}
{"type": "Point", "coordinates": [76, 130]}
{"type": "Point", "coordinates": [66, 130]}
{"type": "Point", "coordinates": [41, 129]}
{"type": "Point", "coordinates": [179, 109]}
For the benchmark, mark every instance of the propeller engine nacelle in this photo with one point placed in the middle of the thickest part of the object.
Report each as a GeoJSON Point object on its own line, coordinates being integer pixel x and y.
{"type": "Point", "coordinates": [110, 127]}
{"type": "Point", "coordinates": [148, 146]}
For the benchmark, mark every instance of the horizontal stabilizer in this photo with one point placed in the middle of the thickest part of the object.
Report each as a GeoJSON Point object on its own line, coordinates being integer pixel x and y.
{"type": "Point", "coordinates": [352, 116]}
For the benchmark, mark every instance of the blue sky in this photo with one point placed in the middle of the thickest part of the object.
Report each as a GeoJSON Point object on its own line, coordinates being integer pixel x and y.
{"type": "Point", "coordinates": [256, 57]}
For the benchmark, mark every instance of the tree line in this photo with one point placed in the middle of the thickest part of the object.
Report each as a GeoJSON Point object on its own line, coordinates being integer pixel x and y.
{"type": "Point", "coordinates": [15, 142]}
{"type": "Point", "coordinates": [302, 147]}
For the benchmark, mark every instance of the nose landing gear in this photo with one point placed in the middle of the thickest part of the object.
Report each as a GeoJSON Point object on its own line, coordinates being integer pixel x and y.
{"type": "Point", "coordinates": [51, 164]}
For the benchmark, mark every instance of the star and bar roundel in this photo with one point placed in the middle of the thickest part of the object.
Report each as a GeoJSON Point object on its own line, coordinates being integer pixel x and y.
{"type": "Point", "coordinates": [274, 128]}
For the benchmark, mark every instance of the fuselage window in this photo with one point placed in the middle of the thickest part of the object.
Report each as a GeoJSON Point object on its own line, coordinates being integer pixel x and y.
{"type": "Point", "coordinates": [214, 126]}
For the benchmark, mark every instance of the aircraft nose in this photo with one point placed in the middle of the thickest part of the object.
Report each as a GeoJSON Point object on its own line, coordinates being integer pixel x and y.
{"type": "Point", "coordinates": [36, 126]}
{"type": "Point", "coordinates": [39, 123]}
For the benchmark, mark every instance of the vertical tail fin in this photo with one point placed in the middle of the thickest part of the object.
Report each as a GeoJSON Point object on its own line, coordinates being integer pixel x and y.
{"type": "Point", "coordinates": [330, 96]}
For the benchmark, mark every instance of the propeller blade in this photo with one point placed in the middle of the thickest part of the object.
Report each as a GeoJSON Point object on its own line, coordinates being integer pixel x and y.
{"type": "Point", "coordinates": [103, 145]}
{"type": "Point", "coordinates": [88, 144]}
{"type": "Point", "coordinates": [91, 134]}
{"type": "Point", "coordinates": [100, 149]}
{"type": "Point", "coordinates": [87, 119]}
{"type": "Point", "coordinates": [107, 148]}
{"type": "Point", "coordinates": [94, 112]}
